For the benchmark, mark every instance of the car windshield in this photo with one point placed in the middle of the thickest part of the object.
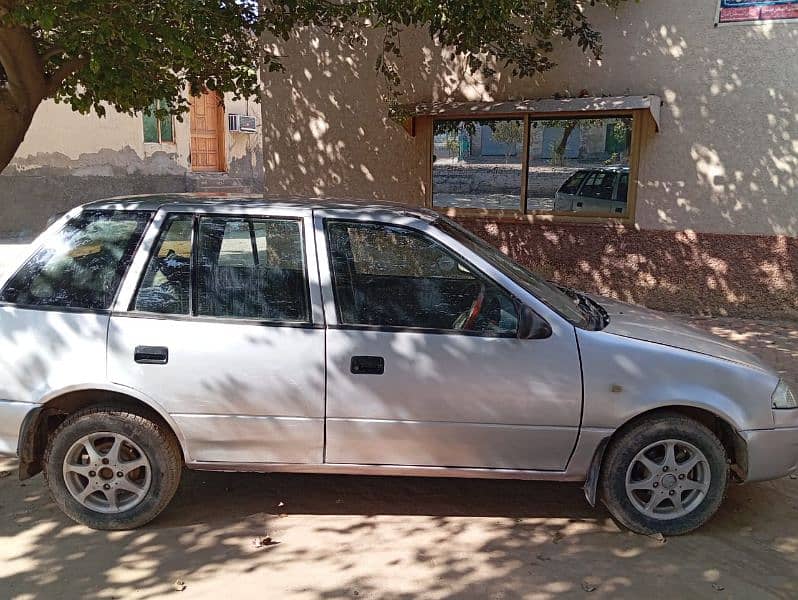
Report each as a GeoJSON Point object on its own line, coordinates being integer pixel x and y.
{"type": "Point", "coordinates": [567, 305]}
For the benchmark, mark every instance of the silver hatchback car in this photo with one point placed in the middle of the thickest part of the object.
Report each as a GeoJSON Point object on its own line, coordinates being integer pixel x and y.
{"type": "Point", "coordinates": [143, 334]}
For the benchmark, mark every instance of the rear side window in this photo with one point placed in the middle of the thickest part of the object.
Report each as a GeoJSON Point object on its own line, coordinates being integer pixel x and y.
{"type": "Point", "coordinates": [599, 185]}
{"type": "Point", "coordinates": [572, 185]}
{"type": "Point", "coordinates": [166, 285]}
{"type": "Point", "coordinates": [82, 265]}
{"type": "Point", "coordinates": [252, 268]}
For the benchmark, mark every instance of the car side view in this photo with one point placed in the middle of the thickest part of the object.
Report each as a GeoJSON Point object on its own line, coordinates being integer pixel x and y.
{"type": "Point", "coordinates": [602, 190]}
{"type": "Point", "coordinates": [145, 334]}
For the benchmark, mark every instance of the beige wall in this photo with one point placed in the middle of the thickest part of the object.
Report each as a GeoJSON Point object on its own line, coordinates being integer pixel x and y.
{"type": "Point", "coordinates": [725, 161]}
{"type": "Point", "coordinates": [67, 143]}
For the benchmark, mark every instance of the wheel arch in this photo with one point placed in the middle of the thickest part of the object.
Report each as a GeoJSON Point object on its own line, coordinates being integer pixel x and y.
{"type": "Point", "coordinates": [726, 432]}
{"type": "Point", "coordinates": [59, 404]}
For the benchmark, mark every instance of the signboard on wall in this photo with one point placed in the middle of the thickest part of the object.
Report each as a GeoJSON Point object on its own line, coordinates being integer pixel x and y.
{"type": "Point", "coordinates": [753, 11]}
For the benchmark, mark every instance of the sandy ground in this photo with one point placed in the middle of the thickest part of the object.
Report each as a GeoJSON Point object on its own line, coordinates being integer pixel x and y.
{"type": "Point", "coordinates": [364, 537]}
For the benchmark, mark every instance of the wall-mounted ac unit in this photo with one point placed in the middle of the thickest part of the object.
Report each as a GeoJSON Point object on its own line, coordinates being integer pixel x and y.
{"type": "Point", "coordinates": [242, 124]}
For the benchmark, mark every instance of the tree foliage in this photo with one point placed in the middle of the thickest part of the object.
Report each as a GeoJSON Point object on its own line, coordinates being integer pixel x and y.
{"type": "Point", "coordinates": [125, 53]}
{"type": "Point", "coordinates": [130, 53]}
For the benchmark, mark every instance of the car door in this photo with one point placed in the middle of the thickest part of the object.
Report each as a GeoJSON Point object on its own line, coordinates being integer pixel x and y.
{"type": "Point", "coordinates": [221, 326]}
{"type": "Point", "coordinates": [423, 364]}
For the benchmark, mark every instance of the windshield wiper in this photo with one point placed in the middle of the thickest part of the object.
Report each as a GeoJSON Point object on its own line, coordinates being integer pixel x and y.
{"type": "Point", "coordinates": [595, 313]}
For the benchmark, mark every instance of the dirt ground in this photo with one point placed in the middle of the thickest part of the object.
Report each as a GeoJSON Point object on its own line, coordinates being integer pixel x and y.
{"type": "Point", "coordinates": [369, 537]}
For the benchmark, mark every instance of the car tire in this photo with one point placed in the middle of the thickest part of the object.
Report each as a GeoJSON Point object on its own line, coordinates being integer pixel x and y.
{"type": "Point", "coordinates": [665, 474]}
{"type": "Point", "coordinates": [111, 468]}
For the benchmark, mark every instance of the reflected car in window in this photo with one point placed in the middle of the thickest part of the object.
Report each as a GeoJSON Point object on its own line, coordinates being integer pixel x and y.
{"type": "Point", "coordinates": [146, 334]}
{"type": "Point", "coordinates": [602, 191]}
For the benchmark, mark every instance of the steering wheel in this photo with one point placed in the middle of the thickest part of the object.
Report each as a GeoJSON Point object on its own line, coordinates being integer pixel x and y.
{"type": "Point", "coordinates": [468, 319]}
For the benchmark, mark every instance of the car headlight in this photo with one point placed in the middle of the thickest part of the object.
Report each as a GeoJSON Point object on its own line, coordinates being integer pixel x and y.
{"type": "Point", "coordinates": [783, 397]}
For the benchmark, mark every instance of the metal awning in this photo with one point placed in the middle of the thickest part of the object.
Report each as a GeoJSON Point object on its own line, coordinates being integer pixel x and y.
{"type": "Point", "coordinates": [543, 107]}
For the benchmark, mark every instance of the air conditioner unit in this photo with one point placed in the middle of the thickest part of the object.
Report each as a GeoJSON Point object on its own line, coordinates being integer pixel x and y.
{"type": "Point", "coordinates": [242, 124]}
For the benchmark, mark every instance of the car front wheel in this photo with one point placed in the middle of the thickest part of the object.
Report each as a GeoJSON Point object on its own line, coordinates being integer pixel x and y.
{"type": "Point", "coordinates": [666, 474]}
{"type": "Point", "coordinates": [109, 468]}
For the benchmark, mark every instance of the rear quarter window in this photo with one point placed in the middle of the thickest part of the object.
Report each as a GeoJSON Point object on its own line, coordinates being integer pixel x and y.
{"type": "Point", "coordinates": [81, 265]}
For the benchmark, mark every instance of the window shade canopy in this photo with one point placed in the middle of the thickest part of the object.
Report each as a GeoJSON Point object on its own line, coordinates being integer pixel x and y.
{"type": "Point", "coordinates": [544, 107]}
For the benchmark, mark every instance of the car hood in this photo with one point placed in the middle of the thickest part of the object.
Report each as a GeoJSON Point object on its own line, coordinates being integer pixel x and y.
{"type": "Point", "coordinates": [651, 326]}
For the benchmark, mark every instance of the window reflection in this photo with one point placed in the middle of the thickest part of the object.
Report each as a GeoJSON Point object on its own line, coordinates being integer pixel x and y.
{"type": "Point", "coordinates": [579, 166]}
{"type": "Point", "coordinates": [477, 163]}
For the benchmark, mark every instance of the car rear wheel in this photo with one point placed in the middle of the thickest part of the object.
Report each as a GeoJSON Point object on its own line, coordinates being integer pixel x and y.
{"type": "Point", "coordinates": [110, 468]}
{"type": "Point", "coordinates": [666, 474]}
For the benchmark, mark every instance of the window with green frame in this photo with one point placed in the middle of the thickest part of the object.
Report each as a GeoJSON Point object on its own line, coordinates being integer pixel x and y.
{"type": "Point", "coordinates": [157, 130]}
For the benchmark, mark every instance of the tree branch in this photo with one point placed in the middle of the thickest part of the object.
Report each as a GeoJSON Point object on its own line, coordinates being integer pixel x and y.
{"type": "Point", "coordinates": [67, 69]}
{"type": "Point", "coordinates": [51, 53]}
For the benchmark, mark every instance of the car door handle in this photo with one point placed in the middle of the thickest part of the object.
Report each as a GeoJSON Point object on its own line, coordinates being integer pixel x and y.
{"type": "Point", "coordinates": [151, 355]}
{"type": "Point", "coordinates": [367, 365]}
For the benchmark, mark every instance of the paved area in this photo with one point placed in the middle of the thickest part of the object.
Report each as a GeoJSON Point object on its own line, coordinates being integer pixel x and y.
{"type": "Point", "coordinates": [368, 537]}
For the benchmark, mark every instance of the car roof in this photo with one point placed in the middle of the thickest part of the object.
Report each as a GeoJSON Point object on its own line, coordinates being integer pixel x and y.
{"type": "Point", "coordinates": [197, 200]}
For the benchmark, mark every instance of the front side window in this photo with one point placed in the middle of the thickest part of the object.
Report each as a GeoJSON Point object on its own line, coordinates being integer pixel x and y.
{"type": "Point", "coordinates": [82, 265]}
{"type": "Point", "coordinates": [252, 268]}
{"type": "Point", "coordinates": [389, 276]}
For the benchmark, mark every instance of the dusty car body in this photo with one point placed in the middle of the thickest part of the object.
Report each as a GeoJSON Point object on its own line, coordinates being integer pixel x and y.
{"type": "Point", "coordinates": [353, 338]}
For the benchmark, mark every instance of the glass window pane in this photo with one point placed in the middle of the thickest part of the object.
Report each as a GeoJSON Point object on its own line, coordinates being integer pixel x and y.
{"type": "Point", "coordinates": [232, 284]}
{"type": "Point", "coordinates": [81, 266]}
{"type": "Point", "coordinates": [477, 163]}
{"type": "Point", "coordinates": [150, 125]}
{"type": "Point", "coordinates": [576, 165]}
{"type": "Point", "coordinates": [392, 276]}
{"type": "Point", "coordinates": [166, 285]}
{"type": "Point", "coordinates": [167, 133]}
{"type": "Point", "coordinates": [236, 246]}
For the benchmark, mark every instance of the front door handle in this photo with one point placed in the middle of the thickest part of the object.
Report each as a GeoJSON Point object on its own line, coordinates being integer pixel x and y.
{"type": "Point", "coordinates": [151, 355]}
{"type": "Point", "coordinates": [367, 365]}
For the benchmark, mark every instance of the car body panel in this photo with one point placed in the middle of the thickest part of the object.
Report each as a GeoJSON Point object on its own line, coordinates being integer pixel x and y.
{"type": "Point", "coordinates": [44, 350]}
{"type": "Point", "coordinates": [259, 374]}
{"type": "Point", "coordinates": [625, 377]}
{"type": "Point", "coordinates": [414, 413]}
{"type": "Point", "coordinates": [641, 323]}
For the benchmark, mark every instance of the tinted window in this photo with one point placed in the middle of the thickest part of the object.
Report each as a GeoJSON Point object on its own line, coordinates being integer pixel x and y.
{"type": "Point", "coordinates": [80, 266]}
{"type": "Point", "coordinates": [572, 185]}
{"type": "Point", "coordinates": [392, 276]}
{"type": "Point", "coordinates": [599, 185]}
{"type": "Point", "coordinates": [165, 287]}
{"type": "Point", "coordinates": [252, 268]}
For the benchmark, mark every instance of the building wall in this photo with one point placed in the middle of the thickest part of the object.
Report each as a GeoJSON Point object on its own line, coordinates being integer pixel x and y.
{"type": "Point", "coordinates": [67, 159]}
{"type": "Point", "coordinates": [724, 164]}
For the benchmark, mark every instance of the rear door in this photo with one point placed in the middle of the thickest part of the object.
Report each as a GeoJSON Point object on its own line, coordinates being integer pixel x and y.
{"type": "Point", "coordinates": [423, 364]}
{"type": "Point", "coordinates": [219, 328]}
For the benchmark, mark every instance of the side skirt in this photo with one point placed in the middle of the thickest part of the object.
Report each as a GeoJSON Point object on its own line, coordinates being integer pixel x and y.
{"type": "Point", "coordinates": [400, 470]}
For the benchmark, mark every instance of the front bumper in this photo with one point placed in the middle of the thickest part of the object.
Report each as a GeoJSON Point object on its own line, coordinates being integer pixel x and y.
{"type": "Point", "coordinates": [773, 453]}
{"type": "Point", "coordinates": [12, 415]}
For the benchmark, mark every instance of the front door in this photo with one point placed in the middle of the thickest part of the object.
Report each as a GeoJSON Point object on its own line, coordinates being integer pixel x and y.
{"type": "Point", "coordinates": [224, 340]}
{"type": "Point", "coordinates": [207, 133]}
{"type": "Point", "coordinates": [423, 364]}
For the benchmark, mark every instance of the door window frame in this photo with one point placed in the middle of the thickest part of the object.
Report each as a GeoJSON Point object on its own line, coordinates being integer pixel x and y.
{"type": "Point", "coordinates": [331, 302]}
{"type": "Point", "coordinates": [158, 227]}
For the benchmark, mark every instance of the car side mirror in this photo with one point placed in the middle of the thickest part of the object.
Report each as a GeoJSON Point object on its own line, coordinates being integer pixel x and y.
{"type": "Point", "coordinates": [530, 325]}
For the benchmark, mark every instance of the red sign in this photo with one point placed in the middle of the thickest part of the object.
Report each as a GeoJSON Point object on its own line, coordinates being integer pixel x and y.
{"type": "Point", "coordinates": [753, 11]}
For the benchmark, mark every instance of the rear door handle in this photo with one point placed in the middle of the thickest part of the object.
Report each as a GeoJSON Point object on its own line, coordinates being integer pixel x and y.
{"type": "Point", "coordinates": [151, 355]}
{"type": "Point", "coordinates": [367, 365]}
